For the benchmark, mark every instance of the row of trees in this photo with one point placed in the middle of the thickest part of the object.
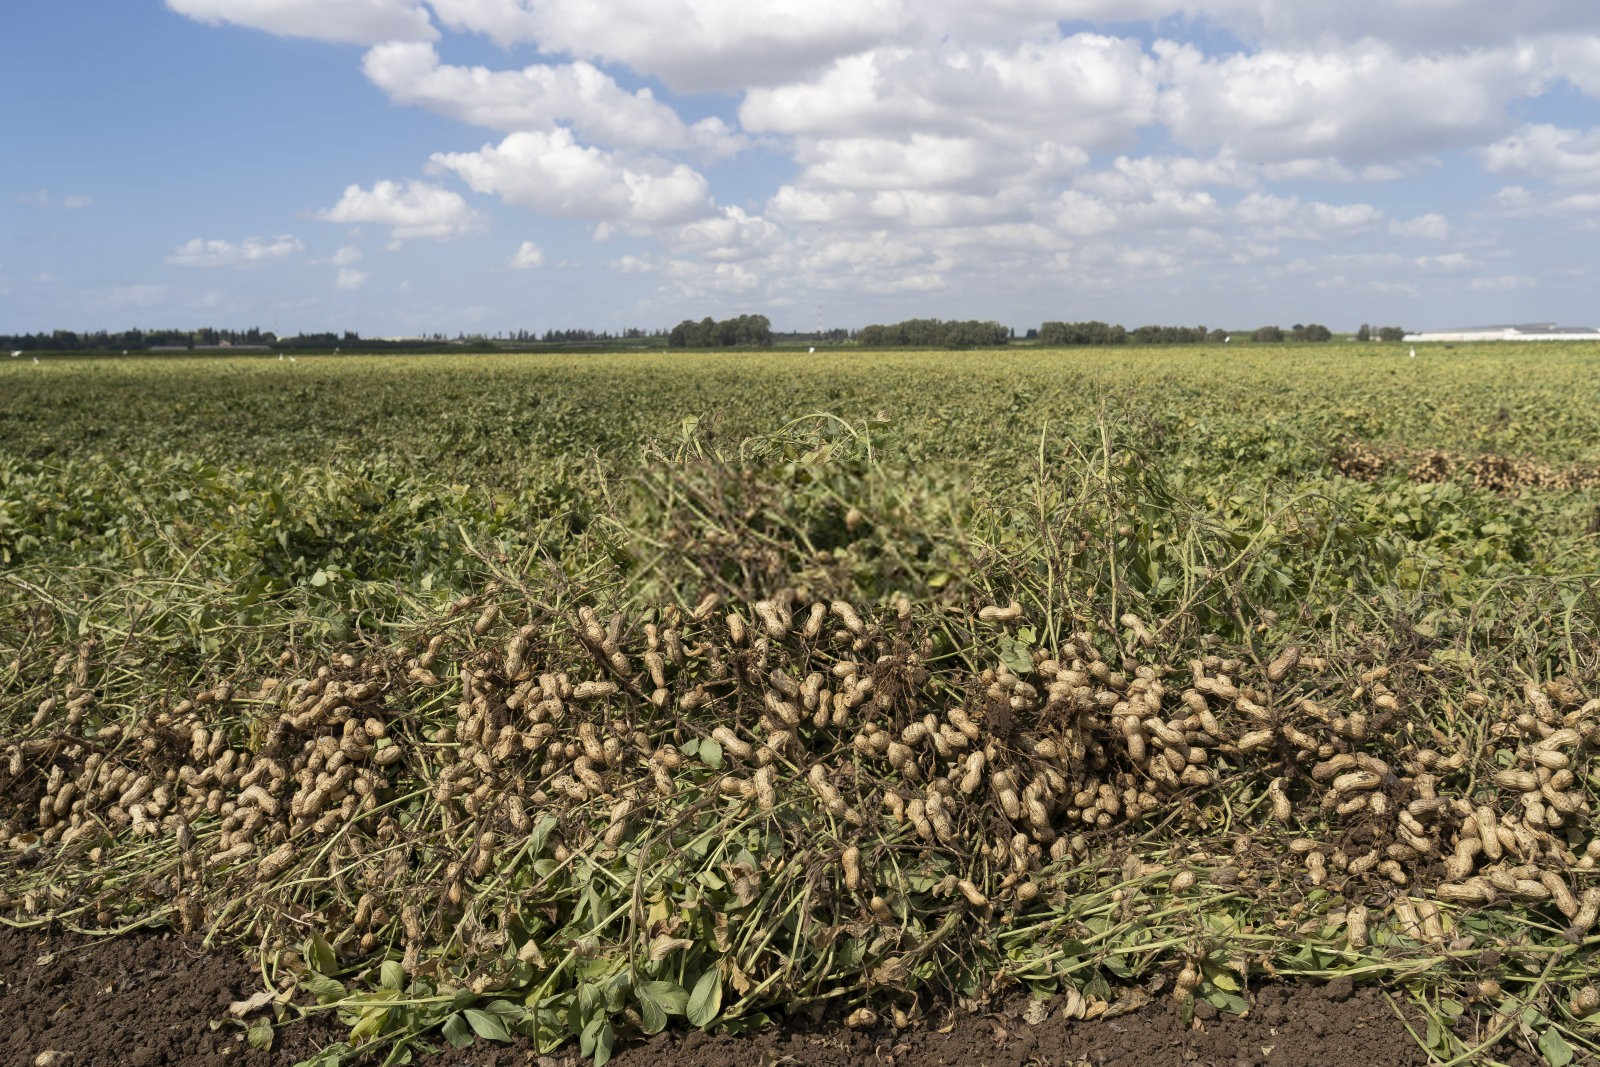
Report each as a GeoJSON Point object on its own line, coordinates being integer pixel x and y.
{"type": "Point", "coordinates": [1101, 333]}
{"type": "Point", "coordinates": [133, 340]}
{"type": "Point", "coordinates": [742, 331]}
{"type": "Point", "coordinates": [576, 336]}
{"type": "Point", "coordinates": [934, 333]}
{"type": "Point", "coordinates": [1298, 332]}
{"type": "Point", "coordinates": [752, 331]}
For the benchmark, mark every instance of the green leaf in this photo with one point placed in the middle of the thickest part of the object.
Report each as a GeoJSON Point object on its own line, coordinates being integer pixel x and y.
{"type": "Point", "coordinates": [1225, 980]}
{"type": "Point", "coordinates": [370, 1024]}
{"type": "Point", "coordinates": [1557, 1053]}
{"type": "Point", "coordinates": [260, 1034]}
{"type": "Point", "coordinates": [540, 834]}
{"type": "Point", "coordinates": [391, 975]}
{"type": "Point", "coordinates": [652, 1020]}
{"type": "Point", "coordinates": [1228, 1002]}
{"type": "Point", "coordinates": [711, 754]}
{"type": "Point", "coordinates": [325, 989]}
{"type": "Point", "coordinates": [657, 1000]}
{"type": "Point", "coordinates": [319, 954]}
{"type": "Point", "coordinates": [1018, 656]}
{"type": "Point", "coordinates": [705, 1002]}
{"type": "Point", "coordinates": [486, 1025]}
{"type": "Point", "coordinates": [457, 1032]}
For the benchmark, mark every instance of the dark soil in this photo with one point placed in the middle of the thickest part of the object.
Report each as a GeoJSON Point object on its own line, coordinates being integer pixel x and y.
{"type": "Point", "coordinates": [1290, 1025]}
{"type": "Point", "coordinates": [145, 1000]}
{"type": "Point", "coordinates": [152, 999]}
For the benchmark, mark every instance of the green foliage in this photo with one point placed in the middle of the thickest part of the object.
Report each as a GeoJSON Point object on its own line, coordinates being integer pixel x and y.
{"type": "Point", "coordinates": [202, 518]}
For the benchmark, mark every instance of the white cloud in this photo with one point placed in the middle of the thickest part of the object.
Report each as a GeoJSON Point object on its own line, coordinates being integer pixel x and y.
{"type": "Point", "coordinates": [689, 44]}
{"type": "Point", "coordinates": [411, 210]}
{"type": "Point", "coordinates": [1433, 226]}
{"type": "Point", "coordinates": [553, 174]}
{"type": "Point", "coordinates": [539, 97]}
{"type": "Point", "coordinates": [350, 278]}
{"type": "Point", "coordinates": [728, 236]}
{"type": "Point", "coordinates": [1514, 198]}
{"type": "Point", "coordinates": [1547, 152]}
{"type": "Point", "coordinates": [200, 252]}
{"type": "Point", "coordinates": [1502, 283]}
{"type": "Point", "coordinates": [1082, 91]}
{"type": "Point", "coordinates": [1290, 217]}
{"type": "Point", "coordinates": [346, 255]}
{"type": "Point", "coordinates": [631, 264]}
{"type": "Point", "coordinates": [1367, 102]}
{"type": "Point", "coordinates": [351, 21]}
{"type": "Point", "coordinates": [527, 256]}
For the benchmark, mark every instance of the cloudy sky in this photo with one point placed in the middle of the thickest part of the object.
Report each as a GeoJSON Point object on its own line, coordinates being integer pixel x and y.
{"type": "Point", "coordinates": [401, 166]}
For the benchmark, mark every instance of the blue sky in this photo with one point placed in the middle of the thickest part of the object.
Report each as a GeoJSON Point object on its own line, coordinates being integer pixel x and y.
{"type": "Point", "coordinates": [401, 166]}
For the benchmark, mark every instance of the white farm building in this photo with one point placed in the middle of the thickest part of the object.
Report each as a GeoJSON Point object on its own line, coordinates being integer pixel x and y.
{"type": "Point", "coordinates": [1537, 331]}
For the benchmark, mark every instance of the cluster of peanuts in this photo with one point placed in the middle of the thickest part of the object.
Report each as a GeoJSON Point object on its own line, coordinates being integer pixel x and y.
{"type": "Point", "coordinates": [813, 705]}
{"type": "Point", "coordinates": [1501, 474]}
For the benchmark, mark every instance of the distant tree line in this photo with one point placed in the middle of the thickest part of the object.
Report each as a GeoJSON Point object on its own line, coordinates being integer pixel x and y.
{"type": "Point", "coordinates": [574, 336]}
{"type": "Point", "coordinates": [836, 335]}
{"type": "Point", "coordinates": [133, 340]}
{"type": "Point", "coordinates": [934, 333]}
{"type": "Point", "coordinates": [1298, 332]}
{"type": "Point", "coordinates": [742, 331]}
{"type": "Point", "coordinates": [1102, 333]}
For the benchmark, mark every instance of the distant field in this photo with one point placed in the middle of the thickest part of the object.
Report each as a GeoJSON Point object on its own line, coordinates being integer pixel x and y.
{"type": "Point", "coordinates": [1033, 546]}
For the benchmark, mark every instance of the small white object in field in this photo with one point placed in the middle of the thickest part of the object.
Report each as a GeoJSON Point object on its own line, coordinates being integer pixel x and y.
{"type": "Point", "coordinates": [17, 353]}
{"type": "Point", "coordinates": [291, 359]}
{"type": "Point", "coordinates": [812, 350]}
{"type": "Point", "coordinates": [1228, 340]}
{"type": "Point", "coordinates": [36, 359]}
{"type": "Point", "coordinates": [1413, 351]}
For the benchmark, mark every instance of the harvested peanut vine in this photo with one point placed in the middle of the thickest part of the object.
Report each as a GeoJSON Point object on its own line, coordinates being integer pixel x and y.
{"type": "Point", "coordinates": [579, 824]}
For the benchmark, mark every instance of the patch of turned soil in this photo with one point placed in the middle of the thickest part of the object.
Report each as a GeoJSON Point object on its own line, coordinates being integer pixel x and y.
{"type": "Point", "coordinates": [1287, 1026]}
{"type": "Point", "coordinates": [155, 1000]}
{"type": "Point", "coordinates": [144, 1000]}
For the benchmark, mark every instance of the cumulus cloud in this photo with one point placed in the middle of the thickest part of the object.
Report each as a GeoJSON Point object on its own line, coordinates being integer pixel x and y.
{"type": "Point", "coordinates": [410, 210]}
{"type": "Point", "coordinates": [1084, 91]}
{"type": "Point", "coordinates": [350, 278]}
{"type": "Point", "coordinates": [1545, 151]}
{"type": "Point", "coordinates": [892, 150]}
{"type": "Point", "coordinates": [689, 44]}
{"type": "Point", "coordinates": [350, 21]}
{"type": "Point", "coordinates": [555, 175]}
{"type": "Point", "coordinates": [527, 256]}
{"type": "Point", "coordinates": [1502, 283]}
{"type": "Point", "coordinates": [346, 255]}
{"type": "Point", "coordinates": [1433, 226]}
{"type": "Point", "coordinates": [200, 252]}
{"type": "Point", "coordinates": [540, 96]}
{"type": "Point", "coordinates": [1366, 102]}
{"type": "Point", "coordinates": [1290, 217]}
